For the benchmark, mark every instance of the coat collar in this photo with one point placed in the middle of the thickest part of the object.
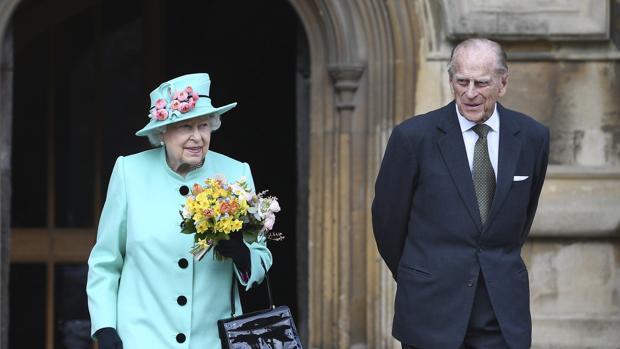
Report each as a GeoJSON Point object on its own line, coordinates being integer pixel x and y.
{"type": "Point", "coordinates": [453, 151]}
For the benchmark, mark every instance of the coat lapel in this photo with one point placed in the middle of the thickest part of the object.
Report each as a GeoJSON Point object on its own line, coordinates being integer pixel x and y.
{"type": "Point", "coordinates": [453, 151]}
{"type": "Point", "coordinates": [509, 152]}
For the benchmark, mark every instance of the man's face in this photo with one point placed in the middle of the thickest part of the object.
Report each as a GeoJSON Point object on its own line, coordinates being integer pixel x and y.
{"type": "Point", "coordinates": [475, 84]}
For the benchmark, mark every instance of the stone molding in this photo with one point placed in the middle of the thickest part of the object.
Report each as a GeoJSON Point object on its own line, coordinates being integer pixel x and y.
{"type": "Point", "coordinates": [579, 201]}
{"type": "Point", "coordinates": [346, 80]}
{"type": "Point", "coordinates": [553, 20]}
{"type": "Point", "coordinates": [571, 30]}
{"type": "Point", "coordinates": [352, 45]}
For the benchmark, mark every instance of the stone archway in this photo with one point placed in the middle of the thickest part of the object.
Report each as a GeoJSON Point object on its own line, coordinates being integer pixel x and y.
{"type": "Point", "coordinates": [362, 83]}
{"type": "Point", "coordinates": [363, 58]}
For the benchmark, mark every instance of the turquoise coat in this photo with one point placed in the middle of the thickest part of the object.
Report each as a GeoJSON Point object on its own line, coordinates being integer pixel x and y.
{"type": "Point", "coordinates": [138, 274]}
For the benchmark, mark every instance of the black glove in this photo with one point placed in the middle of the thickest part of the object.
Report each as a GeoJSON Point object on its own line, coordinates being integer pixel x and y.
{"type": "Point", "coordinates": [235, 249]}
{"type": "Point", "coordinates": [108, 338]}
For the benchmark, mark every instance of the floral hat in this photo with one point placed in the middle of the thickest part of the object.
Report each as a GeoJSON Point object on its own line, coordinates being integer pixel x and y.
{"type": "Point", "coordinates": [180, 99]}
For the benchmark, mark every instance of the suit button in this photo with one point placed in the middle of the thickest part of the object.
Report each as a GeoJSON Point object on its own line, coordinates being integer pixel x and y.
{"type": "Point", "coordinates": [182, 300]}
{"type": "Point", "coordinates": [470, 283]}
{"type": "Point", "coordinates": [183, 263]}
{"type": "Point", "coordinates": [180, 338]}
{"type": "Point", "coordinates": [184, 190]}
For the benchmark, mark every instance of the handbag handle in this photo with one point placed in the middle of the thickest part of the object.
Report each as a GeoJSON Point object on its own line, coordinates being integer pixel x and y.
{"type": "Point", "coordinates": [234, 285]}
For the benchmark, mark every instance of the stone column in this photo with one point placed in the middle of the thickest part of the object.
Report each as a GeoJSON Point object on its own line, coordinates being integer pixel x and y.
{"type": "Point", "coordinates": [346, 81]}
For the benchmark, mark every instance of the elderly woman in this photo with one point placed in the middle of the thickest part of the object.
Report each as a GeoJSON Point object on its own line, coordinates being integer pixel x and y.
{"type": "Point", "coordinates": [144, 288]}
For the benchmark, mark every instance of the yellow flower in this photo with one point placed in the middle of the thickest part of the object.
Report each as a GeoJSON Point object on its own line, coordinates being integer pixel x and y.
{"type": "Point", "coordinates": [203, 243]}
{"type": "Point", "coordinates": [236, 225]}
{"type": "Point", "coordinates": [202, 226]}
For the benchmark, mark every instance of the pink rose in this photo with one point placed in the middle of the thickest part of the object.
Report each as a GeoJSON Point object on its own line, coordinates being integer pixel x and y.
{"type": "Point", "coordinates": [192, 104]}
{"type": "Point", "coordinates": [195, 96]}
{"type": "Point", "coordinates": [175, 95]}
{"type": "Point", "coordinates": [184, 107]}
{"type": "Point", "coordinates": [189, 89]}
{"type": "Point", "coordinates": [160, 103]}
{"type": "Point", "coordinates": [175, 105]}
{"type": "Point", "coordinates": [153, 114]}
{"type": "Point", "coordinates": [269, 221]}
{"type": "Point", "coordinates": [162, 114]}
{"type": "Point", "coordinates": [182, 96]}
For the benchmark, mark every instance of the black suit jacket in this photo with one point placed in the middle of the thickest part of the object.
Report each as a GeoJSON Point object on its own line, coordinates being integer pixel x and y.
{"type": "Point", "coordinates": [428, 229]}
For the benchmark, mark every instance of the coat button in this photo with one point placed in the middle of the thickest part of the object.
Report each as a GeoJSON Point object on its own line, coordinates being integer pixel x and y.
{"type": "Point", "coordinates": [184, 190]}
{"type": "Point", "coordinates": [183, 263]}
{"type": "Point", "coordinates": [180, 338]}
{"type": "Point", "coordinates": [182, 300]}
{"type": "Point", "coordinates": [470, 283]}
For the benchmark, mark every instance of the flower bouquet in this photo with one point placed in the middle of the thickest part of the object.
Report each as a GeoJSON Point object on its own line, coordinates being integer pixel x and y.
{"type": "Point", "coordinates": [214, 210]}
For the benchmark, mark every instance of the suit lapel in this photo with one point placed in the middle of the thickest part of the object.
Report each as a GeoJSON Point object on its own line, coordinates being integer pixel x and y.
{"type": "Point", "coordinates": [453, 151]}
{"type": "Point", "coordinates": [509, 151]}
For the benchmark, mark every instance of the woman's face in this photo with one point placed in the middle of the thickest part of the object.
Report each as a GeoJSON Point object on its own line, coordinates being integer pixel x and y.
{"type": "Point", "coordinates": [187, 143]}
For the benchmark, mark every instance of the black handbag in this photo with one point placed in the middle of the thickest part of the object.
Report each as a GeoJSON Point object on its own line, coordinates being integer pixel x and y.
{"type": "Point", "coordinates": [264, 329]}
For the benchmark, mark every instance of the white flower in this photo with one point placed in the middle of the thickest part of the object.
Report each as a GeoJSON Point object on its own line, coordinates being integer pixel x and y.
{"type": "Point", "coordinates": [186, 214]}
{"type": "Point", "coordinates": [248, 196]}
{"type": "Point", "coordinates": [274, 206]}
{"type": "Point", "coordinates": [220, 177]}
{"type": "Point", "coordinates": [269, 221]}
{"type": "Point", "coordinates": [237, 189]}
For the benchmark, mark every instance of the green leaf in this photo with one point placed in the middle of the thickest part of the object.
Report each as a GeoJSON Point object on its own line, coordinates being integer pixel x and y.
{"type": "Point", "coordinates": [250, 237]}
{"type": "Point", "coordinates": [187, 227]}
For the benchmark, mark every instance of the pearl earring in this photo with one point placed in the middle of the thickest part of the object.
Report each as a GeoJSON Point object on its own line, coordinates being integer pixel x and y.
{"type": "Point", "coordinates": [161, 143]}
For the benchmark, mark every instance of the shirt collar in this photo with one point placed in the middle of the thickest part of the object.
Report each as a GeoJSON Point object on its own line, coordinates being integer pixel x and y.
{"type": "Point", "coordinates": [466, 125]}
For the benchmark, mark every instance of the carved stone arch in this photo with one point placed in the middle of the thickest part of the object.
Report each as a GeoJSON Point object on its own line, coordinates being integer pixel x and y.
{"type": "Point", "coordinates": [363, 80]}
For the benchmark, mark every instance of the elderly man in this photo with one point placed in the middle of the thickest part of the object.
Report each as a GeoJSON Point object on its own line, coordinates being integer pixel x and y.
{"type": "Point", "coordinates": [454, 201]}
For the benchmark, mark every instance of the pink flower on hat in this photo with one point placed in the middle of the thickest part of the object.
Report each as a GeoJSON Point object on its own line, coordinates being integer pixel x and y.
{"type": "Point", "coordinates": [161, 114]}
{"type": "Point", "coordinates": [182, 96]}
{"type": "Point", "coordinates": [183, 101]}
{"type": "Point", "coordinates": [184, 107]}
{"type": "Point", "coordinates": [160, 103]}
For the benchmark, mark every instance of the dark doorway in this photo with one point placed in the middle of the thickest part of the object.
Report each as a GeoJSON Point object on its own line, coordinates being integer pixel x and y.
{"type": "Point", "coordinates": [83, 71]}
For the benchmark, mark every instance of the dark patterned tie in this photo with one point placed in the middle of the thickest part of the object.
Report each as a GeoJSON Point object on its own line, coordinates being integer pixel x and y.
{"type": "Point", "coordinates": [483, 175]}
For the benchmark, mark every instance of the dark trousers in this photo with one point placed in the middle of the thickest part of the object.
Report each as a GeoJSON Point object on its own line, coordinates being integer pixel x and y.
{"type": "Point", "coordinates": [483, 331]}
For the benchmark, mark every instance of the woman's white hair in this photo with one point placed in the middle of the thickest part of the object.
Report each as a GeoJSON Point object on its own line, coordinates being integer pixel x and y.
{"type": "Point", "coordinates": [155, 136]}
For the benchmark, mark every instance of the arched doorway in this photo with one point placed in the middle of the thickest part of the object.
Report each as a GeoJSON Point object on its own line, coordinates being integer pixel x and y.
{"type": "Point", "coordinates": [365, 57]}
{"type": "Point", "coordinates": [93, 67]}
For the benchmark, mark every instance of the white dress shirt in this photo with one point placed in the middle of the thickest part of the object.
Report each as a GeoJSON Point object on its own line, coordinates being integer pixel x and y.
{"type": "Point", "coordinates": [470, 137]}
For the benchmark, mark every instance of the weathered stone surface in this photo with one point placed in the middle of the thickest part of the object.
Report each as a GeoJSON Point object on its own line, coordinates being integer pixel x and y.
{"type": "Point", "coordinates": [574, 298]}
{"type": "Point", "coordinates": [528, 19]}
{"type": "Point", "coordinates": [579, 202]}
{"type": "Point", "coordinates": [577, 101]}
